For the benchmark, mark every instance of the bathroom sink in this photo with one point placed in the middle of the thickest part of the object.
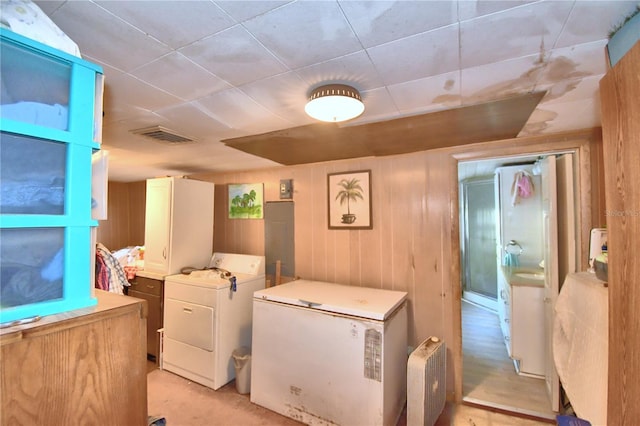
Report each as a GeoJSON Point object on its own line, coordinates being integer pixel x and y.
{"type": "Point", "coordinates": [530, 275]}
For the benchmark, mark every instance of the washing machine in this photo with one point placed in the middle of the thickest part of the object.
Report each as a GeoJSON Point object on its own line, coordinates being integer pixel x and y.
{"type": "Point", "coordinates": [208, 314]}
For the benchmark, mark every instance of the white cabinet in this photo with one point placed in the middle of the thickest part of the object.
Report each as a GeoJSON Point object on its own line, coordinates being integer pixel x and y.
{"type": "Point", "coordinates": [504, 310]}
{"type": "Point", "coordinates": [157, 224]}
{"type": "Point", "coordinates": [521, 313]}
{"type": "Point", "coordinates": [178, 224]}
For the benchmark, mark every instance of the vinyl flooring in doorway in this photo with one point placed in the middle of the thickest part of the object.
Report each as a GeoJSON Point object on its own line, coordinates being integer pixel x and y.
{"type": "Point", "coordinates": [489, 376]}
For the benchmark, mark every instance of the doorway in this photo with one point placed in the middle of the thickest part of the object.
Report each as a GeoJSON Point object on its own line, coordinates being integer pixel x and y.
{"type": "Point", "coordinates": [489, 377]}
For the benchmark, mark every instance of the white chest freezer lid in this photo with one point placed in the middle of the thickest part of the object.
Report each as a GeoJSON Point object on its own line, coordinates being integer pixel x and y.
{"type": "Point", "coordinates": [330, 297]}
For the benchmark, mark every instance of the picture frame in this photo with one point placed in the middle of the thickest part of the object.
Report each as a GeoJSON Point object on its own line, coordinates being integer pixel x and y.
{"type": "Point", "coordinates": [246, 201]}
{"type": "Point", "coordinates": [349, 200]}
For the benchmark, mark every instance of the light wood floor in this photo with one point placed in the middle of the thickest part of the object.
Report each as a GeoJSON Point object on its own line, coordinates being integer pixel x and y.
{"type": "Point", "coordinates": [489, 377]}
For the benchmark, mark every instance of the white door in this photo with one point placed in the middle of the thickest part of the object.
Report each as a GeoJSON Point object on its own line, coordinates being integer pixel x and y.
{"type": "Point", "coordinates": [567, 235]}
{"type": "Point", "coordinates": [157, 225]}
{"type": "Point", "coordinates": [551, 285]}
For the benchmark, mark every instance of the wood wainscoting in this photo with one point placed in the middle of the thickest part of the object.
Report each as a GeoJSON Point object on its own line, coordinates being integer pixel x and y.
{"type": "Point", "coordinates": [620, 92]}
{"type": "Point", "coordinates": [125, 215]}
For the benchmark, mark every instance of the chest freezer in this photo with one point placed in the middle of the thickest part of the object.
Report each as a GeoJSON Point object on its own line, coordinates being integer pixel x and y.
{"type": "Point", "coordinates": [325, 353]}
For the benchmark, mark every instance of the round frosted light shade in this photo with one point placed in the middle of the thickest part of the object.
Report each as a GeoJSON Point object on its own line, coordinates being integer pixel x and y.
{"type": "Point", "coordinates": [334, 103]}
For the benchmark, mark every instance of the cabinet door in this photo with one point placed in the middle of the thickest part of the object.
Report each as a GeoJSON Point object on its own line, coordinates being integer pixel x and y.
{"type": "Point", "coordinates": [506, 323]}
{"type": "Point", "coordinates": [527, 329]}
{"type": "Point", "coordinates": [152, 291]}
{"type": "Point", "coordinates": [504, 315]}
{"type": "Point", "coordinates": [146, 285]}
{"type": "Point", "coordinates": [77, 369]}
{"type": "Point", "coordinates": [157, 225]}
{"type": "Point", "coordinates": [153, 320]}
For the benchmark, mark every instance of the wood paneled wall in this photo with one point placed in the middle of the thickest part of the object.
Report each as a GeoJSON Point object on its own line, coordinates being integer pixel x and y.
{"type": "Point", "coordinates": [125, 215]}
{"type": "Point", "coordinates": [620, 97]}
{"type": "Point", "coordinates": [597, 183]}
{"type": "Point", "coordinates": [414, 243]}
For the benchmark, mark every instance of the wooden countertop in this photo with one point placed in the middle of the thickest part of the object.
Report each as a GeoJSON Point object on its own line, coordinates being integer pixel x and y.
{"type": "Point", "coordinates": [150, 274]}
{"type": "Point", "coordinates": [108, 304]}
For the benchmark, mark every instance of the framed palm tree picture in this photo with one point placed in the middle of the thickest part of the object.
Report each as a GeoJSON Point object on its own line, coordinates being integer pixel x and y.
{"type": "Point", "coordinates": [350, 200]}
{"type": "Point", "coordinates": [246, 201]}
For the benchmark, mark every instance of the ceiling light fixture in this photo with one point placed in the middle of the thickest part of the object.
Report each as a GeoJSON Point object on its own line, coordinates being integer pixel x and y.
{"type": "Point", "coordinates": [334, 103]}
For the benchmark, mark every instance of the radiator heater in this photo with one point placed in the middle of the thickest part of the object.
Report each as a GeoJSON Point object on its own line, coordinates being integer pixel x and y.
{"type": "Point", "coordinates": [426, 382]}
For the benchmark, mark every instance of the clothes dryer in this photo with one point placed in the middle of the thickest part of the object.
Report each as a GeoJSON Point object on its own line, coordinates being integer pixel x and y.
{"type": "Point", "coordinates": [208, 314]}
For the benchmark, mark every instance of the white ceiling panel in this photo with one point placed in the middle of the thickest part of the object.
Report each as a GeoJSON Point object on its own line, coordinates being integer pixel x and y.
{"type": "Point", "coordinates": [48, 7]}
{"type": "Point", "coordinates": [235, 56]}
{"type": "Point", "coordinates": [237, 110]}
{"type": "Point", "coordinates": [586, 89]}
{"type": "Point", "coordinates": [576, 114]}
{"type": "Point", "coordinates": [126, 89]}
{"type": "Point", "coordinates": [175, 24]}
{"type": "Point", "coordinates": [501, 79]}
{"type": "Point", "coordinates": [580, 61]}
{"type": "Point", "coordinates": [476, 8]}
{"type": "Point", "coordinates": [120, 111]}
{"type": "Point", "coordinates": [191, 121]}
{"type": "Point", "coordinates": [438, 92]}
{"type": "Point", "coordinates": [114, 112]}
{"type": "Point", "coordinates": [589, 19]}
{"type": "Point", "coordinates": [431, 53]}
{"type": "Point", "coordinates": [232, 162]}
{"type": "Point", "coordinates": [108, 34]}
{"type": "Point", "coordinates": [355, 69]}
{"type": "Point", "coordinates": [380, 106]}
{"type": "Point", "coordinates": [378, 22]}
{"type": "Point", "coordinates": [174, 73]}
{"type": "Point", "coordinates": [290, 104]}
{"type": "Point", "coordinates": [521, 31]}
{"type": "Point", "coordinates": [128, 166]}
{"type": "Point", "coordinates": [317, 28]}
{"type": "Point", "coordinates": [243, 10]}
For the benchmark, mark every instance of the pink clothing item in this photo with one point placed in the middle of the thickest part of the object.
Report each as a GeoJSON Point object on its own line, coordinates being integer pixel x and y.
{"type": "Point", "coordinates": [102, 273]}
{"type": "Point", "coordinates": [522, 187]}
{"type": "Point", "coordinates": [525, 186]}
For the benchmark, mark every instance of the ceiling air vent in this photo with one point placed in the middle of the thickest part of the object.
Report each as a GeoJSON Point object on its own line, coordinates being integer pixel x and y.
{"type": "Point", "coordinates": [162, 134]}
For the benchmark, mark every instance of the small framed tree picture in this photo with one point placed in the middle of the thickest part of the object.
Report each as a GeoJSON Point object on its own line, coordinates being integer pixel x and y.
{"type": "Point", "coordinates": [350, 200]}
{"type": "Point", "coordinates": [246, 201]}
